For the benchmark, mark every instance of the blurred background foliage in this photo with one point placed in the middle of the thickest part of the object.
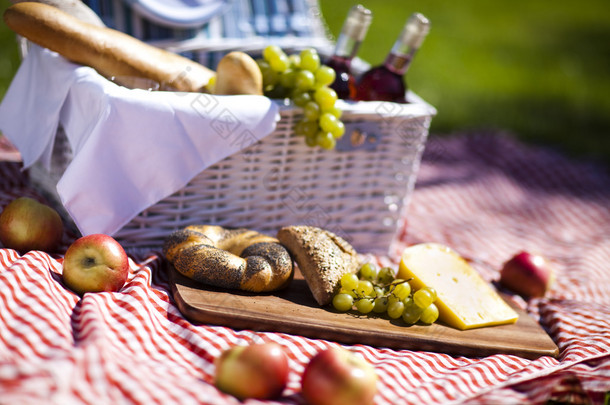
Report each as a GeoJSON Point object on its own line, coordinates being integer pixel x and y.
{"type": "Point", "coordinates": [537, 69]}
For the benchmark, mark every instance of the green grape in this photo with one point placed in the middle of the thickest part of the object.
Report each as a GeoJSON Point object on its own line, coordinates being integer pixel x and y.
{"type": "Point", "coordinates": [396, 309]}
{"type": "Point", "coordinates": [336, 111]}
{"type": "Point", "coordinates": [311, 111]}
{"type": "Point", "coordinates": [422, 298]}
{"type": "Point", "coordinates": [326, 140]}
{"type": "Point", "coordinates": [304, 80]}
{"type": "Point", "coordinates": [311, 140]}
{"type": "Point", "coordinates": [324, 75]}
{"type": "Point", "coordinates": [349, 281]}
{"type": "Point", "coordinates": [411, 314]}
{"type": "Point", "coordinates": [310, 60]}
{"type": "Point", "coordinates": [338, 130]}
{"type": "Point", "coordinates": [262, 64]}
{"type": "Point", "coordinates": [392, 299]}
{"type": "Point", "coordinates": [279, 63]}
{"type": "Point", "coordinates": [295, 61]}
{"type": "Point", "coordinates": [352, 292]}
{"type": "Point", "coordinates": [301, 98]}
{"type": "Point", "coordinates": [287, 78]}
{"type": "Point", "coordinates": [343, 302]}
{"type": "Point", "coordinates": [364, 305]}
{"type": "Point", "coordinates": [272, 51]}
{"type": "Point", "coordinates": [385, 274]}
{"type": "Point", "coordinates": [298, 128]}
{"type": "Point", "coordinates": [402, 290]}
{"type": "Point", "coordinates": [365, 288]}
{"type": "Point", "coordinates": [325, 97]}
{"type": "Point", "coordinates": [429, 315]}
{"type": "Point", "coordinates": [408, 301]}
{"type": "Point", "coordinates": [328, 122]}
{"type": "Point", "coordinates": [380, 305]}
{"type": "Point", "coordinates": [270, 77]}
{"type": "Point", "coordinates": [432, 292]}
{"type": "Point", "coordinates": [368, 271]}
{"type": "Point", "coordinates": [379, 291]}
{"type": "Point", "coordinates": [309, 128]}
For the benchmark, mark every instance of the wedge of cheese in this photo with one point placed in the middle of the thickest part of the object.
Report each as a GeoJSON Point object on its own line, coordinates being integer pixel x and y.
{"type": "Point", "coordinates": [465, 300]}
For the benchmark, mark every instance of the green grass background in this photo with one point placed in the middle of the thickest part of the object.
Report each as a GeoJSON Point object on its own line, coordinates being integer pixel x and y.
{"type": "Point", "coordinates": [539, 69]}
{"type": "Point", "coordinates": [536, 68]}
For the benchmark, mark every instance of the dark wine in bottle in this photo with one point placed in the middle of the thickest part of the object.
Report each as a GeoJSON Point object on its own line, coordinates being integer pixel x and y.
{"type": "Point", "coordinates": [387, 82]}
{"type": "Point", "coordinates": [352, 34]}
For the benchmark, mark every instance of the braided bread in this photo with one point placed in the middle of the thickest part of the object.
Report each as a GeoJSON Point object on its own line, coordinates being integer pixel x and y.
{"type": "Point", "coordinates": [229, 258]}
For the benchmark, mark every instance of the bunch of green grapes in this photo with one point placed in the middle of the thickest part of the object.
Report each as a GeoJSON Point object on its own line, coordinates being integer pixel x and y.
{"type": "Point", "coordinates": [377, 291]}
{"type": "Point", "coordinates": [302, 78]}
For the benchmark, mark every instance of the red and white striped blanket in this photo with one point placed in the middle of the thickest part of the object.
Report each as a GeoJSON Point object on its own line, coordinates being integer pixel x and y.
{"type": "Point", "coordinates": [485, 196]}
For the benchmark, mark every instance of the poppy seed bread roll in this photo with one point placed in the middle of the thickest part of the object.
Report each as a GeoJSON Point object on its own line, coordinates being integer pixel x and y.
{"type": "Point", "coordinates": [110, 52]}
{"type": "Point", "coordinates": [229, 258]}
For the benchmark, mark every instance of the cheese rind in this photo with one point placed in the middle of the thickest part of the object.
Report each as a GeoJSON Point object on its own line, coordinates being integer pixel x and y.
{"type": "Point", "coordinates": [465, 300]}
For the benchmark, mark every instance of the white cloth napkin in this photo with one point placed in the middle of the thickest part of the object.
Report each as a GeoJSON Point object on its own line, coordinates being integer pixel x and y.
{"type": "Point", "coordinates": [131, 148]}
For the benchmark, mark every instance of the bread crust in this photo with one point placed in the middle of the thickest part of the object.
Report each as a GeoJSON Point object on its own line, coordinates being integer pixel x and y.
{"type": "Point", "coordinates": [322, 256]}
{"type": "Point", "coordinates": [110, 52]}
{"type": "Point", "coordinates": [75, 8]}
{"type": "Point", "coordinates": [229, 258]}
{"type": "Point", "coordinates": [238, 73]}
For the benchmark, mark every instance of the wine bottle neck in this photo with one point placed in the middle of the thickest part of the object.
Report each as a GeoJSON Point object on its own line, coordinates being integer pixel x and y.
{"type": "Point", "coordinates": [347, 47]}
{"type": "Point", "coordinates": [407, 44]}
{"type": "Point", "coordinates": [353, 32]}
{"type": "Point", "coordinates": [398, 63]}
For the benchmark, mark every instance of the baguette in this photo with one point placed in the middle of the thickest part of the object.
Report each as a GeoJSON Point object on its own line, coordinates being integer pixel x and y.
{"type": "Point", "coordinates": [75, 8]}
{"type": "Point", "coordinates": [110, 52]}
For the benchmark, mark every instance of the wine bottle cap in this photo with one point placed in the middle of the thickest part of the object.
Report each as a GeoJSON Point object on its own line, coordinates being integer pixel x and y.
{"type": "Point", "coordinates": [357, 22]}
{"type": "Point", "coordinates": [414, 32]}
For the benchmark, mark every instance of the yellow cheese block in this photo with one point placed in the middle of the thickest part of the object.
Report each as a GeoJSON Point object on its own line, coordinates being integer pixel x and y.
{"type": "Point", "coordinates": [465, 300]}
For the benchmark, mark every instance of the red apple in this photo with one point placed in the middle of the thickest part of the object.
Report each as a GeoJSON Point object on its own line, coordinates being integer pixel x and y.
{"type": "Point", "coordinates": [256, 371]}
{"type": "Point", "coordinates": [26, 224]}
{"type": "Point", "coordinates": [527, 274]}
{"type": "Point", "coordinates": [337, 376]}
{"type": "Point", "coordinates": [95, 263]}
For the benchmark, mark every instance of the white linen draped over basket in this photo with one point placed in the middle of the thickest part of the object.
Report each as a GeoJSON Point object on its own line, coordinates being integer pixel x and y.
{"type": "Point", "coordinates": [131, 148]}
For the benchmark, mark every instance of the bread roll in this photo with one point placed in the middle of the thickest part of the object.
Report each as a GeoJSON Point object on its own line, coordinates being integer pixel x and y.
{"type": "Point", "coordinates": [229, 258]}
{"type": "Point", "coordinates": [110, 52]}
{"type": "Point", "coordinates": [238, 73]}
{"type": "Point", "coordinates": [322, 257]}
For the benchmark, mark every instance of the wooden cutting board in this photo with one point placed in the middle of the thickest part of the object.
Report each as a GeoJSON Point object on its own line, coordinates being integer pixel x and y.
{"type": "Point", "coordinates": [294, 310]}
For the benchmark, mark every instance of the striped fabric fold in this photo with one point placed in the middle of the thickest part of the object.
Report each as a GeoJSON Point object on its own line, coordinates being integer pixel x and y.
{"type": "Point", "coordinates": [486, 196]}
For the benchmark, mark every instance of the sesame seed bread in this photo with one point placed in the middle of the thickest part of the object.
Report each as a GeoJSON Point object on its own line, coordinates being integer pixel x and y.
{"type": "Point", "coordinates": [322, 257]}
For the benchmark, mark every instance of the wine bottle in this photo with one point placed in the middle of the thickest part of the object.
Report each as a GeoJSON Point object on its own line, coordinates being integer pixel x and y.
{"type": "Point", "coordinates": [351, 36]}
{"type": "Point", "coordinates": [387, 82]}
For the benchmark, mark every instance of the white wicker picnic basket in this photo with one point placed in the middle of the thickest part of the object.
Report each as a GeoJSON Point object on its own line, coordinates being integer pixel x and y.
{"type": "Point", "coordinates": [360, 190]}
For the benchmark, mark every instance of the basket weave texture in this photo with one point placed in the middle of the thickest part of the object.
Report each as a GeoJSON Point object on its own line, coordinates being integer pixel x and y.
{"type": "Point", "coordinates": [358, 191]}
